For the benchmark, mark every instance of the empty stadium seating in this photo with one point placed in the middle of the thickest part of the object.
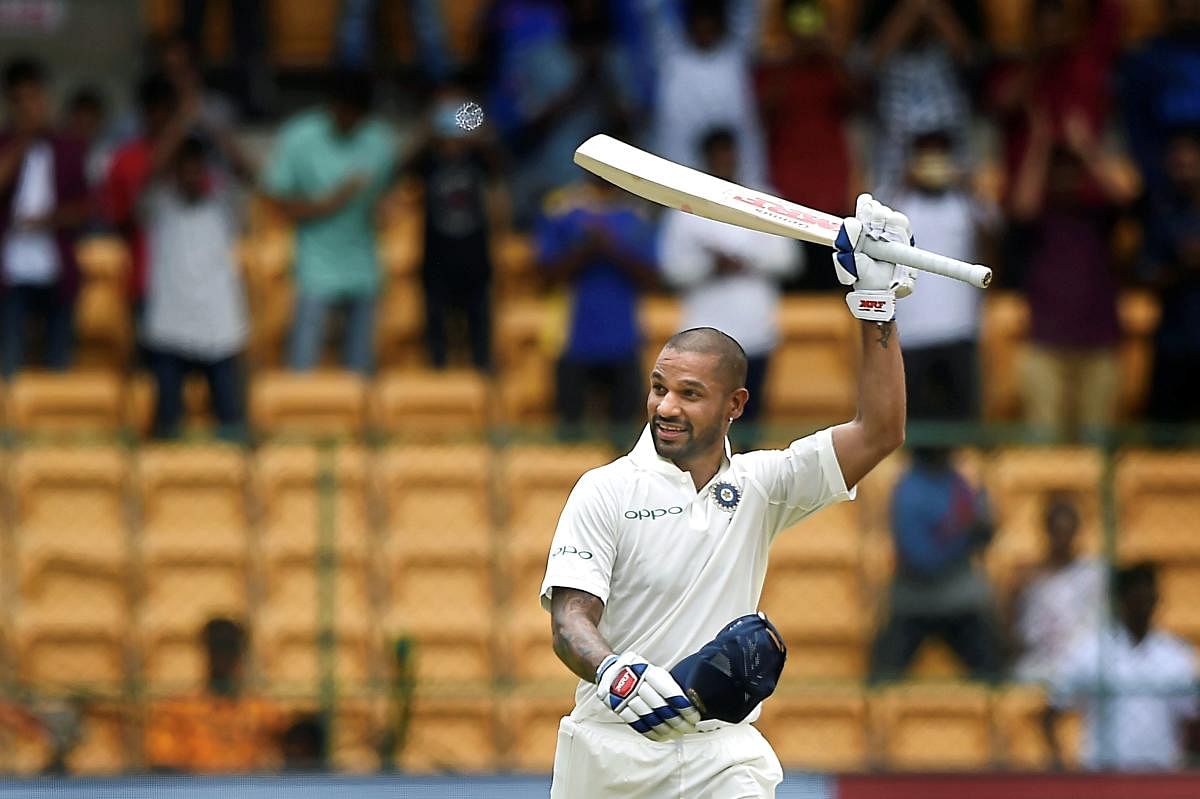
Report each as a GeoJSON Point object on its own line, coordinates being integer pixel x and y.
{"type": "Point", "coordinates": [308, 403]}
{"type": "Point", "coordinates": [813, 373]}
{"type": "Point", "coordinates": [450, 734]}
{"type": "Point", "coordinates": [50, 403]}
{"type": "Point", "coordinates": [933, 727]}
{"type": "Point", "coordinates": [1158, 499]}
{"type": "Point", "coordinates": [821, 728]}
{"type": "Point", "coordinates": [530, 717]}
{"type": "Point", "coordinates": [419, 404]}
{"type": "Point", "coordinates": [821, 611]}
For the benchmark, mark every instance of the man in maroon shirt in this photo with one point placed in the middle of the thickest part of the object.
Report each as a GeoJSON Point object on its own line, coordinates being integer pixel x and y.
{"type": "Point", "coordinates": [127, 176]}
{"type": "Point", "coordinates": [43, 204]}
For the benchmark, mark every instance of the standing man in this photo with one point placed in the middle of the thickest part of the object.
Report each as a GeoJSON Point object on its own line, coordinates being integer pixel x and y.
{"type": "Point", "coordinates": [659, 550]}
{"type": "Point", "coordinates": [43, 205]}
{"type": "Point", "coordinates": [729, 275]}
{"type": "Point", "coordinates": [329, 169]}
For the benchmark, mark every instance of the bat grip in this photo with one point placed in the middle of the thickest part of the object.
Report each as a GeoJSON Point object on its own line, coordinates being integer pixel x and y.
{"type": "Point", "coordinates": [975, 274]}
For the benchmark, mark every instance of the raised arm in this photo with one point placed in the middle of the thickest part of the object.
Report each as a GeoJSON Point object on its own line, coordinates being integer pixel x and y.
{"type": "Point", "coordinates": [574, 615]}
{"type": "Point", "coordinates": [878, 428]}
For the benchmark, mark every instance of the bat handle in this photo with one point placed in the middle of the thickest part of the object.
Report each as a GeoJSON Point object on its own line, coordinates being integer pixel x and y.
{"type": "Point", "coordinates": [975, 274]}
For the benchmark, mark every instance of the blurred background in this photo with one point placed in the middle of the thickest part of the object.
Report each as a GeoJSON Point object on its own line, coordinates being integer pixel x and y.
{"type": "Point", "coordinates": [309, 324]}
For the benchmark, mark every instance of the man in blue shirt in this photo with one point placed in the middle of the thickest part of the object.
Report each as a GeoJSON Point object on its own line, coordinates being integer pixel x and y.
{"type": "Point", "coordinates": [597, 243]}
{"type": "Point", "coordinates": [938, 523]}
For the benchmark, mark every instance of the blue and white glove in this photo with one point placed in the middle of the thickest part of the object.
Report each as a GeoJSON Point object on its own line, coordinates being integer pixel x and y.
{"type": "Point", "coordinates": [645, 696]}
{"type": "Point", "coordinates": [876, 284]}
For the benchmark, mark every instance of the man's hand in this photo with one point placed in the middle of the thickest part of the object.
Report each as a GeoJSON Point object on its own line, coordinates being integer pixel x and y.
{"type": "Point", "coordinates": [645, 696]}
{"type": "Point", "coordinates": [876, 284]}
{"type": "Point", "coordinates": [344, 193]}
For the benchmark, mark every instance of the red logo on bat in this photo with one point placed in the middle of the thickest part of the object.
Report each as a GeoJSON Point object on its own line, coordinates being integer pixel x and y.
{"type": "Point", "coordinates": [871, 305]}
{"type": "Point", "coordinates": [789, 211]}
{"type": "Point", "coordinates": [624, 684]}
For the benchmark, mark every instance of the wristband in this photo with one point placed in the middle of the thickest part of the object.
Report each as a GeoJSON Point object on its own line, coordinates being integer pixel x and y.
{"type": "Point", "coordinates": [604, 664]}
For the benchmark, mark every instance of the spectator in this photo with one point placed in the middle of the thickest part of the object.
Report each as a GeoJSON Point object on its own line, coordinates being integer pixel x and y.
{"type": "Point", "coordinates": [1065, 203]}
{"type": "Point", "coordinates": [807, 97]}
{"type": "Point", "coordinates": [303, 745]}
{"type": "Point", "coordinates": [220, 730]}
{"type": "Point", "coordinates": [941, 329]}
{"type": "Point", "coordinates": [557, 79]}
{"type": "Point", "coordinates": [920, 50]}
{"type": "Point", "coordinates": [85, 122]}
{"type": "Point", "coordinates": [938, 523]}
{"type": "Point", "coordinates": [705, 80]}
{"type": "Point", "coordinates": [127, 176]}
{"type": "Point", "coordinates": [195, 304]}
{"type": "Point", "coordinates": [179, 62]}
{"type": "Point", "coordinates": [729, 275]}
{"type": "Point", "coordinates": [329, 169]}
{"type": "Point", "coordinates": [1160, 89]}
{"type": "Point", "coordinates": [1171, 264]}
{"type": "Point", "coordinates": [43, 204]}
{"type": "Point", "coordinates": [460, 174]}
{"type": "Point", "coordinates": [248, 20]}
{"type": "Point", "coordinates": [597, 242]}
{"type": "Point", "coordinates": [1065, 77]}
{"type": "Point", "coordinates": [1136, 686]}
{"type": "Point", "coordinates": [1061, 603]}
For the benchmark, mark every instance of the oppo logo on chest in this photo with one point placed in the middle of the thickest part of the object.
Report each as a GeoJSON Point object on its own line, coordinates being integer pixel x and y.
{"type": "Point", "coordinates": [653, 513]}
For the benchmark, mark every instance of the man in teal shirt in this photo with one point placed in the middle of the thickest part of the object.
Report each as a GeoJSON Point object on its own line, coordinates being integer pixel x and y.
{"type": "Point", "coordinates": [329, 168]}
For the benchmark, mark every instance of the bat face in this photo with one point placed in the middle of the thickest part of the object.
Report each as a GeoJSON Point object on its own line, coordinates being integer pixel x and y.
{"type": "Point", "coordinates": [787, 213]}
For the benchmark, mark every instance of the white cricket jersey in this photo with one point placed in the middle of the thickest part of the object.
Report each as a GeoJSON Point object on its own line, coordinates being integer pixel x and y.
{"type": "Point", "coordinates": [674, 565]}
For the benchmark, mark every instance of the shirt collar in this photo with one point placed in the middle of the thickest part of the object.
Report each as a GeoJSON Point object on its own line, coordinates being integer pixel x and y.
{"type": "Point", "coordinates": [644, 455]}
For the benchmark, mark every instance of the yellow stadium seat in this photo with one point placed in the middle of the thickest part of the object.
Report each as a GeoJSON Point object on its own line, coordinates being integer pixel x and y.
{"type": "Point", "coordinates": [1005, 327]}
{"type": "Point", "coordinates": [65, 402]}
{"type": "Point", "coordinates": [55, 490]}
{"type": "Point", "coordinates": [450, 734]}
{"type": "Point", "coordinates": [450, 648]}
{"type": "Point", "coordinates": [529, 651]}
{"type": "Point", "coordinates": [942, 727]}
{"type": "Point", "coordinates": [103, 327]}
{"type": "Point", "coordinates": [526, 356]}
{"type": "Point", "coordinates": [300, 603]}
{"type": "Point", "coordinates": [401, 240]}
{"type": "Point", "coordinates": [400, 331]}
{"type": "Point", "coordinates": [1018, 719]}
{"type": "Point", "coordinates": [813, 373]}
{"type": "Point", "coordinates": [820, 611]}
{"type": "Point", "coordinates": [1179, 599]}
{"type": "Point", "coordinates": [817, 728]}
{"type": "Point", "coordinates": [312, 498]}
{"type": "Point", "coordinates": [831, 535]}
{"type": "Point", "coordinates": [302, 40]}
{"type": "Point", "coordinates": [660, 317]}
{"type": "Point", "coordinates": [102, 748]}
{"type": "Point", "coordinates": [266, 264]}
{"type": "Point", "coordinates": [1158, 500]}
{"type": "Point", "coordinates": [530, 716]}
{"type": "Point", "coordinates": [1019, 480]}
{"type": "Point", "coordinates": [429, 402]}
{"type": "Point", "coordinates": [437, 501]}
{"type": "Point", "coordinates": [536, 481]}
{"type": "Point", "coordinates": [308, 403]}
{"type": "Point", "coordinates": [515, 265]}
{"type": "Point", "coordinates": [71, 629]}
{"type": "Point", "coordinates": [193, 504]}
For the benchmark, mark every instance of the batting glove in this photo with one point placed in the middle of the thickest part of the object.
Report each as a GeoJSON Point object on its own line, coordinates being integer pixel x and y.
{"type": "Point", "coordinates": [876, 284]}
{"type": "Point", "coordinates": [645, 696]}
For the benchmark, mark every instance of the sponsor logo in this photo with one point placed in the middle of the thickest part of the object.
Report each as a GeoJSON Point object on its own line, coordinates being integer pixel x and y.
{"type": "Point", "coordinates": [653, 513]}
{"type": "Point", "coordinates": [624, 684]}
{"type": "Point", "coordinates": [570, 550]}
{"type": "Point", "coordinates": [795, 213]}
{"type": "Point", "coordinates": [872, 305]}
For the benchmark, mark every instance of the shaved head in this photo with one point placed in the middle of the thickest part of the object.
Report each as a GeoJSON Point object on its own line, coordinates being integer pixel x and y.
{"type": "Point", "coordinates": [731, 358]}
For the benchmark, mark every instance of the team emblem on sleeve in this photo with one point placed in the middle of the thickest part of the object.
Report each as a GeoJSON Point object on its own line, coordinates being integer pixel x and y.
{"type": "Point", "coordinates": [727, 496]}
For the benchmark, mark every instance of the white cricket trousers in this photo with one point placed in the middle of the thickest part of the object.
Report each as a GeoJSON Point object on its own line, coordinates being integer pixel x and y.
{"type": "Point", "coordinates": [597, 760]}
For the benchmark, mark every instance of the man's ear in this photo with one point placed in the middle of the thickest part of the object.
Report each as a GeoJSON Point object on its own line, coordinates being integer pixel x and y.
{"type": "Point", "coordinates": [737, 403]}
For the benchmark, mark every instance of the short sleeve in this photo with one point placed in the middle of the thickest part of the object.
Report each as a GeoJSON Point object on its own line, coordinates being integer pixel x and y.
{"type": "Point", "coordinates": [584, 545]}
{"type": "Point", "coordinates": [798, 480]}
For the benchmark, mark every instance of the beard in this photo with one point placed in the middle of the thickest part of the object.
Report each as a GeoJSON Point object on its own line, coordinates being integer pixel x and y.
{"type": "Point", "coordinates": [693, 443]}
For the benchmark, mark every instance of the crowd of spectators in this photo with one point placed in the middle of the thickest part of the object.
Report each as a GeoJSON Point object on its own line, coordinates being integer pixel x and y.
{"type": "Point", "coordinates": [1088, 137]}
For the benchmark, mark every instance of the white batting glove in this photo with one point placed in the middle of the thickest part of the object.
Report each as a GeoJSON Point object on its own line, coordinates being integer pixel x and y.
{"type": "Point", "coordinates": [877, 284]}
{"type": "Point", "coordinates": [645, 696]}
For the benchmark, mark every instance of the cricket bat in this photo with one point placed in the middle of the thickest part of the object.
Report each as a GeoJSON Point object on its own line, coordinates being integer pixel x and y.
{"type": "Point", "coordinates": [677, 186]}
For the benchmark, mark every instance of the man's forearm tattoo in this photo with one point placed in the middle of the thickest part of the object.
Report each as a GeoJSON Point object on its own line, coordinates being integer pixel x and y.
{"type": "Point", "coordinates": [885, 333]}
